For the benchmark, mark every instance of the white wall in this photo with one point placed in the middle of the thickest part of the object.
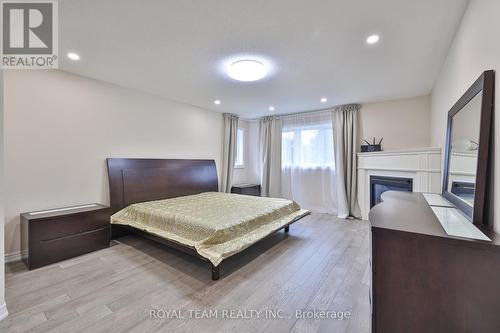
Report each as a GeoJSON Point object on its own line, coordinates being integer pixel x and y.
{"type": "Point", "coordinates": [403, 123]}
{"type": "Point", "coordinates": [3, 309]}
{"type": "Point", "coordinates": [59, 129]}
{"type": "Point", "coordinates": [474, 49]}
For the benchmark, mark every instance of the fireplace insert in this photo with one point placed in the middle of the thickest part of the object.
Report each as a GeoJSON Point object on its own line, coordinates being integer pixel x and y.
{"type": "Point", "coordinates": [380, 184]}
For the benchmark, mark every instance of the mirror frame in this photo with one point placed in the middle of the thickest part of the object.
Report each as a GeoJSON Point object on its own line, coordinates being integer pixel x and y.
{"type": "Point", "coordinates": [486, 84]}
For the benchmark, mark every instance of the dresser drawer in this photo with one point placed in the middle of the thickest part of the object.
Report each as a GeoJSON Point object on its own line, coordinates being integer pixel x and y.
{"type": "Point", "coordinates": [45, 252]}
{"type": "Point", "coordinates": [60, 226]}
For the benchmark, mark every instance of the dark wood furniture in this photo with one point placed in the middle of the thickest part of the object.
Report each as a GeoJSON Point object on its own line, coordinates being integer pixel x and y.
{"type": "Point", "coordinates": [54, 235]}
{"type": "Point", "coordinates": [426, 281]}
{"type": "Point", "coordinates": [479, 213]}
{"type": "Point", "coordinates": [247, 189]}
{"type": "Point", "coordinates": [139, 180]}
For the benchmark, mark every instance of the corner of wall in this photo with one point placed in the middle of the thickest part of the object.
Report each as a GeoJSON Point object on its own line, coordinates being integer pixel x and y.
{"type": "Point", "coordinates": [3, 307]}
{"type": "Point", "coordinates": [470, 53]}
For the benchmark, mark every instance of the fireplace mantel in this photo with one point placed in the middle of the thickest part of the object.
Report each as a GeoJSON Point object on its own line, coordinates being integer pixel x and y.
{"type": "Point", "coordinates": [422, 165]}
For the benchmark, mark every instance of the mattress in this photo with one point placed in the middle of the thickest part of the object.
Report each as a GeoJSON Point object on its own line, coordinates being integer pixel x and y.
{"type": "Point", "coordinates": [217, 225]}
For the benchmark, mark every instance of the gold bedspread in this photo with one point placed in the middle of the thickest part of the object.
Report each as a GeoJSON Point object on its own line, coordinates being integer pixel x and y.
{"type": "Point", "coordinates": [217, 225]}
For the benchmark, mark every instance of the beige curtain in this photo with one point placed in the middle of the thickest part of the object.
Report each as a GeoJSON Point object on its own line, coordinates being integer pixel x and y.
{"type": "Point", "coordinates": [228, 150]}
{"type": "Point", "coordinates": [345, 127]}
{"type": "Point", "coordinates": [270, 156]}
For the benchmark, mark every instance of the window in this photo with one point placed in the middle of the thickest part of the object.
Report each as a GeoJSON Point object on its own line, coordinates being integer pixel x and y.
{"type": "Point", "coordinates": [240, 142]}
{"type": "Point", "coordinates": [308, 162]}
{"type": "Point", "coordinates": [308, 146]}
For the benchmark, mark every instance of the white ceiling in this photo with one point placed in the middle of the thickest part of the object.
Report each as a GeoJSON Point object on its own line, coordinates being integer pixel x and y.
{"type": "Point", "coordinates": [174, 48]}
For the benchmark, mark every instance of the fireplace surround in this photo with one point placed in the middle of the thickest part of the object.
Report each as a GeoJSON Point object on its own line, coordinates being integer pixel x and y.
{"type": "Point", "coordinates": [422, 165]}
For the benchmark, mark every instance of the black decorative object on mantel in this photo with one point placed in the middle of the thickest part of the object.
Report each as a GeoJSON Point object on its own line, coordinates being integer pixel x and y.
{"type": "Point", "coordinates": [369, 147]}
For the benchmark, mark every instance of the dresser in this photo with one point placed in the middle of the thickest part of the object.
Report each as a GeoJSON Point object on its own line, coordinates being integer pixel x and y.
{"type": "Point", "coordinates": [424, 280]}
{"type": "Point", "coordinates": [53, 235]}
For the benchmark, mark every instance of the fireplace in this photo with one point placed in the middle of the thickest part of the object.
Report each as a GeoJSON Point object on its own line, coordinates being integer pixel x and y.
{"type": "Point", "coordinates": [380, 184]}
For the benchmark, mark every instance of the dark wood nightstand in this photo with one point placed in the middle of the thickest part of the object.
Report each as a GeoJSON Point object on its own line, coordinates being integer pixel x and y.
{"type": "Point", "coordinates": [247, 189]}
{"type": "Point", "coordinates": [53, 235]}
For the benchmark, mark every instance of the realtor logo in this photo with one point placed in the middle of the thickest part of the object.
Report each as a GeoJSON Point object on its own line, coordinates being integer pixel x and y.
{"type": "Point", "coordinates": [29, 34]}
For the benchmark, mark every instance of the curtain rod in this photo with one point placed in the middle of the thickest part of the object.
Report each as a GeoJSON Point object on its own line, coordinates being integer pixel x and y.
{"type": "Point", "coordinates": [300, 112]}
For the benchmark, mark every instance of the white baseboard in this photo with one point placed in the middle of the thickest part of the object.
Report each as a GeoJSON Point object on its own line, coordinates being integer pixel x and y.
{"type": "Point", "coordinates": [11, 257]}
{"type": "Point", "coordinates": [3, 311]}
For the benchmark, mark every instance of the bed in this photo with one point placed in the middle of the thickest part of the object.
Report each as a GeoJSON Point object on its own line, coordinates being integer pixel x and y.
{"type": "Point", "coordinates": [176, 203]}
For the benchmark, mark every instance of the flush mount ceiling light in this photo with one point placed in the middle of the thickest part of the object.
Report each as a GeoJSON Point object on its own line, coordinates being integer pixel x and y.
{"type": "Point", "coordinates": [373, 39]}
{"type": "Point", "coordinates": [271, 108]}
{"type": "Point", "coordinates": [217, 102]}
{"type": "Point", "coordinates": [247, 70]}
{"type": "Point", "coordinates": [247, 67]}
{"type": "Point", "coordinates": [324, 100]}
{"type": "Point", "coordinates": [73, 56]}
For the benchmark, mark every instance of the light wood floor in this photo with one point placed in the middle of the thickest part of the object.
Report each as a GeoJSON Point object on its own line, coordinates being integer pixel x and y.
{"type": "Point", "coordinates": [321, 265]}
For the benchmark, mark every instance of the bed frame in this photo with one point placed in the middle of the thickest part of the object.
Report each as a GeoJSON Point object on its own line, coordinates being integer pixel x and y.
{"type": "Point", "coordinates": [134, 180]}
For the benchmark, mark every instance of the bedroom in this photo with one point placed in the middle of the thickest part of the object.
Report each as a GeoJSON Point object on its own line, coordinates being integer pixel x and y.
{"type": "Point", "coordinates": [189, 166]}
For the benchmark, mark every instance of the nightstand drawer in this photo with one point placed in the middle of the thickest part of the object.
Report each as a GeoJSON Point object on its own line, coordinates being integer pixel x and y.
{"type": "Point", "coordinates": [57, 249]}
{"type": "Point", "coordinates": [246, 189]}
{"type": "Point", "coordinates": [68, 225]}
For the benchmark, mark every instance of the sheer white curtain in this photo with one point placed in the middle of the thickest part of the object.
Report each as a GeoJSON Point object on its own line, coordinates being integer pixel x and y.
{"type": "Point", "coordinates": [308, 161]}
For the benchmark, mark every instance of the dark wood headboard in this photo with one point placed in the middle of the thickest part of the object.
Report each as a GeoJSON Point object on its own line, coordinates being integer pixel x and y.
{"type": "Point", "coordinates": [133, 180]}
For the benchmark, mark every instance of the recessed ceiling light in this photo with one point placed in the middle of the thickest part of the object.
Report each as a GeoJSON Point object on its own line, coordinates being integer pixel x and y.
{"type": "Point", "coordinates": [373, 39]}
{"type": "Point", "coordinates": [323, 100]}
{"type": "Point", "coordinates": [247, 70]}
{"type": "Point", "coordinates": [271, 108]}
{"type": "Point", "coordinates": [73, 56]}
{"type": "Point", "coordinates": [216, 102]}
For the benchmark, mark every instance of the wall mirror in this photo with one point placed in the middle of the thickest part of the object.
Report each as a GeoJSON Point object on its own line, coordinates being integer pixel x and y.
{"type": "Point", "coordinates": [465, 181]}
